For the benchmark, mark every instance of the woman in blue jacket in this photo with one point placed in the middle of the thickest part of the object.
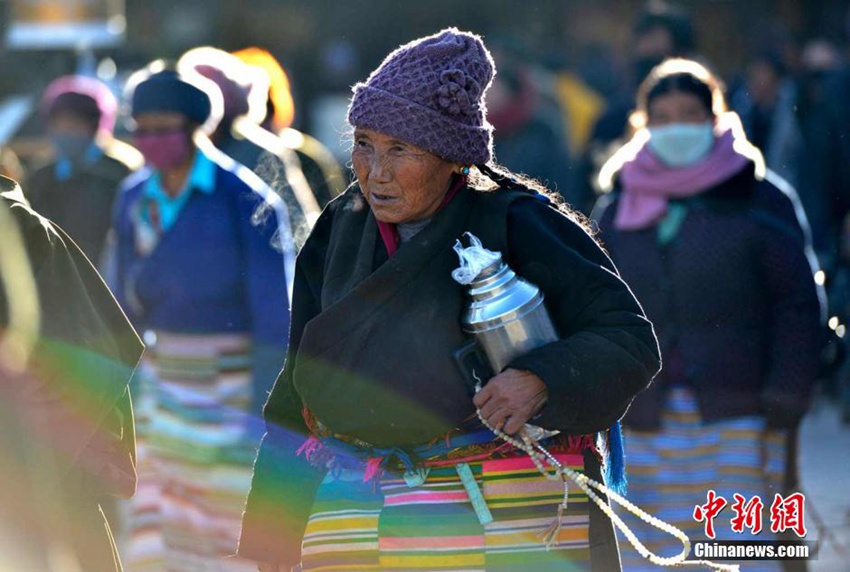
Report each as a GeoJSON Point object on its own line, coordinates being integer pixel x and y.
{"type": "Point", "coordinates": [203, 252]}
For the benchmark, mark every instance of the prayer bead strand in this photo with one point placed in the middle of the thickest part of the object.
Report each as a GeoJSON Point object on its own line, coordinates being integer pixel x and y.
{"type": "Point", "coordinates": [558, 471]}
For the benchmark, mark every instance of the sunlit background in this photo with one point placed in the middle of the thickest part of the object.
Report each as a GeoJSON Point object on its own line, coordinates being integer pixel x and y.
{"type": "Point", "coordinates": [326, 45]}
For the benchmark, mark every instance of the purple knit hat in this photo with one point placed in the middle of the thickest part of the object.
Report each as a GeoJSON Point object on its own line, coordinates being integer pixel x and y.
{"type": "Point", "coordinates": [430, 92]}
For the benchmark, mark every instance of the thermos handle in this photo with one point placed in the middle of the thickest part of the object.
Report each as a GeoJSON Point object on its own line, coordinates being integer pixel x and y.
{"type": "Point", "coordinates": [472, 364]}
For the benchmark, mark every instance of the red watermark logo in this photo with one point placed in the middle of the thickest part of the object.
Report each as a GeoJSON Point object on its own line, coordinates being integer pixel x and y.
{"type": "Point", "coordinates": [786, 513]}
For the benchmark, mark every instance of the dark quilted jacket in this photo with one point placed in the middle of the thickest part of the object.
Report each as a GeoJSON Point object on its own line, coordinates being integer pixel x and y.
{"type": "Point", "coordinates": [732, 298]}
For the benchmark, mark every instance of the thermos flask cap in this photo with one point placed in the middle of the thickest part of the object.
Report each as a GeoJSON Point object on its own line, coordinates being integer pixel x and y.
{"type": "Point", "coordinates": [505, 314]}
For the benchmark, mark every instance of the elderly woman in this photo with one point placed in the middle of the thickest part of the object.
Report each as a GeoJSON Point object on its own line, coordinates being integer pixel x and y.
{"type": "Point", "coordinates": [202, 267]}
{"type": "Point", "coordinates": [715, 249]}
{"type": "Point", "coordinates": [371, 424]}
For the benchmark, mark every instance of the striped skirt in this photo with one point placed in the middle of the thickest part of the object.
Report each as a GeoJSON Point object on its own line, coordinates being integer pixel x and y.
{"type": "Point", "coordinates": [390, 525]}
{"type": "Point", "coordinates": [194, 455]}
{"type": "Point", "coordinates": [672, 470]}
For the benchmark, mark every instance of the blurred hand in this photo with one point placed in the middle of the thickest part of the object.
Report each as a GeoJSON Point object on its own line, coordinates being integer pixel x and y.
{"type": "Point", "coordinates": [269, 567]}
{"type": "Point", "coordinates": [510, 399]}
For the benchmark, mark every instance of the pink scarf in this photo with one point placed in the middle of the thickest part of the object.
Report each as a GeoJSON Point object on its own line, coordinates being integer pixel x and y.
{"type": "Point", "coordinates": [648, 183]}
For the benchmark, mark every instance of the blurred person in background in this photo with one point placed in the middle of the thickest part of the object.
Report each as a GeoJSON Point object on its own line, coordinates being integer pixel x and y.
{"type": "Point", "coordinates": [203, 265]}
{"type": "Point", "coordinates": [716, 250]}
{"type": "Point", "coordinates": [662, 30]}
{"type": "Point", "coordinates": [241, 136]}
{"type": "Point", "coordinates": [837, 90]}
{"type": "Point", "coordinates": [793, 120]}
{"type": "Point", "coordinates": [67, 437]}
{"type": "Point", "coordinates": [826, 121]}
{"type": "Point", "coordinates": [339, 67]}
{"type": "Point", "coordinates": [582, 79]}
{"type": "Point", "coordinates": [318, 163]}
{"type": "Point", "coordinates": [530, 137]}
{"type": "Point", "coordinates": [820, 167]}
{"type": "Point", "coordinates": [767, 107]}
{"type": "Point", "coordinates": [77, 188]}
{"type": "Point", "coordinates": [818, 161]}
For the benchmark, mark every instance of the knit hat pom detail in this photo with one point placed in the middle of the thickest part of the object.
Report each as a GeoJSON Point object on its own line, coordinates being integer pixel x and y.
{"type": "Point", "coordinates": [430, 92]}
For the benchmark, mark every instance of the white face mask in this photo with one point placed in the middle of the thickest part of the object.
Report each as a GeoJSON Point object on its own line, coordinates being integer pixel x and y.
{"type": "Point", "coordinates": [681, 144]}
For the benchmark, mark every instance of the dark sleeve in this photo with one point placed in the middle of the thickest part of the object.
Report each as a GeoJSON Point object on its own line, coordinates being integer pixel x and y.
{"type": "Point", "coordinates": [109, 461]}
{"type": "Point", "coordinates": [787, 264]}
{"type": "Point", "coordinates": [608, 351]}
{"type": "Point", "coordinates": [82, 363]}
{"type": "Point", "coordinates": [284, 483]}
{"type": "Point", "coordinates": [34, 187]}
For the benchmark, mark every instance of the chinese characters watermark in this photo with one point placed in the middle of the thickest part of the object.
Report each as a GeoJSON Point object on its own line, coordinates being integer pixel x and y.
{"type": "Point", "coordinates": [786, 513]}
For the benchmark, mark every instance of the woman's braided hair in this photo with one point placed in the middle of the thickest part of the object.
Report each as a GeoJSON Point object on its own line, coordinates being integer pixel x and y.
{"type": "Point", "coordinates": [492, 177]}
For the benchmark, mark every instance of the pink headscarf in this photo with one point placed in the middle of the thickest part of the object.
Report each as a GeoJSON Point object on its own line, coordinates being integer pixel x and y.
{"type": "Point", "coordinates": [106, 101]}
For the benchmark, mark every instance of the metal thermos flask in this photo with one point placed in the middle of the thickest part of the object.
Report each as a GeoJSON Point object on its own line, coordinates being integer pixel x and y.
{"type": "Point", "coordinates": [505, 314]}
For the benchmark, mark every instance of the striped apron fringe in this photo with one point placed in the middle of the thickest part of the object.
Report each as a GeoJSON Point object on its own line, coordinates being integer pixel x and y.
{"type": "Point", "coordinates": [415, 512]}
{"type": "Point", "coordinates": [672, 470]}
{"type": "Point", "coordinates": [194, 455]}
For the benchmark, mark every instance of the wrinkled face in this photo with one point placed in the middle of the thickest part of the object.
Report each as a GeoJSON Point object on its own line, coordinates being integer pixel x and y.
{"type": "Point", "coordinates": [677, 107]}
{"type": "Point", "coordinates": [401, 182]}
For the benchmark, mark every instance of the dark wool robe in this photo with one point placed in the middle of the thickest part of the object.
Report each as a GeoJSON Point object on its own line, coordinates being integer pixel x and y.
{"type": "Point", "coordinates": [66, 422]}
{"type": "Point", "coordinates": [372, 338]}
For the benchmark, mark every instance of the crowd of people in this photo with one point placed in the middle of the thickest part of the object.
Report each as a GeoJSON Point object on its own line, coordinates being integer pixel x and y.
{"type": "Point", "coordinates": [298, 404]}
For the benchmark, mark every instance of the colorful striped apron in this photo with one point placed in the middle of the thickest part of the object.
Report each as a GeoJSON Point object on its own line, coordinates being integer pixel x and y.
{"type": "Point", "coordinates": [388, 521]}
{"type": "Point", "coordinates": [672, 470]}
{"type": "Point", "coordinates": [195, 458]}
